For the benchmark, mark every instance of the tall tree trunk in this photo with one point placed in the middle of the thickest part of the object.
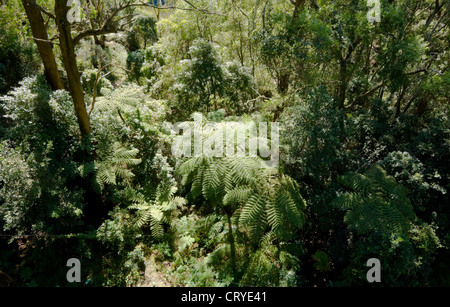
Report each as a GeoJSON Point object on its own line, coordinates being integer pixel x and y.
{"type": "Point", "coordinates": [70, 64]}
{"type": "Point", "coordinates": [45, 47]}
{"type": "Point", "coordinates": [283, 82]}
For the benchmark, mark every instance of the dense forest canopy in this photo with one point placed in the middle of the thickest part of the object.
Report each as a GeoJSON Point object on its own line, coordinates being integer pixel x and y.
{"type": "Point", "coordinates": [89, 92]}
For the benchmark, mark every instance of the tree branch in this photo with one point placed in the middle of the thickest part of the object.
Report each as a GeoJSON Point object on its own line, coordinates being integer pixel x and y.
{"type": "Point", "coordinates": [93, 32]}
{"type": "Point", "coordinates": [108, 27]}
{"type": "Point", "coordinates": [202, 10]}
{"type": "Point", "coordinates": [46, 12]}
{"type": "Point", "coordinates": [97, 80]}
{"type": "Point", "coordinates": [368, 93]}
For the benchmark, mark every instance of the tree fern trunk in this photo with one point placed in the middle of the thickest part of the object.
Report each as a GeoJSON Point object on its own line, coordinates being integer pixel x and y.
{"type": "Point", "coordinates": [232, 247]}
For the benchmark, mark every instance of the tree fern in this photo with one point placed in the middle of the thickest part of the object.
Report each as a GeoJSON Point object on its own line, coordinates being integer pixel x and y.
{"type": "Point", "coordinates": [256, 199]}
{"type": "Point", "coordinates": [255, 215]}
{"type": "Point", "coordinates": [162, 209]}
{"type": "Point", "coordinates": [113, 164]}
{"type": "Point", "coordinates": [237, 195]}
{"type": "Point", "coordinates": [123, 99]}
{"type": "Point", "coordinates": [260, 199]}
{"type": "Point", "coordinates": [375, 202]}
{"type": "Point", "coordinates": [269, 265]}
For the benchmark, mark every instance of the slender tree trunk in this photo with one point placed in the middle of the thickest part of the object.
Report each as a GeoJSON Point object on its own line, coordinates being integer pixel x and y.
{"type": "Point", "coordinates": [343, 83]}
{"type": "Point", "coordinates": [283, 82]}
{"type": "Point", "coordinates": [421, 107]}
{"type": "Point", "coordinates": [45, 47]}
{"type": "Point", "coordinates": [399, 101]}
{"type": "Point", "coordinates": [70, 64]}
{"type": "Point", "coordinates": [232, 247]}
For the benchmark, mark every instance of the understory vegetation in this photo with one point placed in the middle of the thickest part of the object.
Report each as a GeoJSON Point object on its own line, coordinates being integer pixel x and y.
{"type": "Point", "coordinates": [87, 168]}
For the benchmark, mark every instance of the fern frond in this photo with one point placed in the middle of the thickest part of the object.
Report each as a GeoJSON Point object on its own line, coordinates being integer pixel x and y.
{"type": "Point", "coordinates": [237, 195]}
{"type": "Point", "coordinates": [156, 228]}
{"type": "Point", "coordinates": [211, 182]}
{"type": "Point", "coordinates": [253, 215]}
{"type": "Point", "coordinates": [86, 169]}
{"type": "Point", "coordinates": [243, 169]}
{"type": "Point", "coordinates": [197, 184]}
{"type": "Point", "coordinates": [377, 202]}
{"type": "Point", "coordinates": [143, 217]}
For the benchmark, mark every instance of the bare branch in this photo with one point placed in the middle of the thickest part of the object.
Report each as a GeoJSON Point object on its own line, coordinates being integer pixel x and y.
{"type": "Point", "coordinates": [240, 10]}
{"type": "Point", "coordinates": [109, 28]}
{"type": "Point", "coordinates": [43, 40]}
{"type": "Point", "coordinates": [93, 32]}
{"type": "Point", "coordinates": [202, 10]}
{"type": "Point", "coordinates": [46, 12]}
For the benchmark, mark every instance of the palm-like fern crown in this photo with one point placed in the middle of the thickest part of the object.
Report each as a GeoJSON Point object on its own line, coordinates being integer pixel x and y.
{"type": "Point", "coordinates": [162, 208]}
{"type": "Point", "coordinates": [375, 202]}
{"type": "Point", "coordinates": [113, 165]}
{"type": "Point", "coordinates": [261, 199]}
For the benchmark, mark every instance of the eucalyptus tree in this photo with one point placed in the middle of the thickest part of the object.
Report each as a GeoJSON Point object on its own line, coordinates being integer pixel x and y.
{"type": "Point", "coordinates": [74, 22]}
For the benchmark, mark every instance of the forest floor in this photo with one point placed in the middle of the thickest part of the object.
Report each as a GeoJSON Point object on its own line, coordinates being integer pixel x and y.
{"type": "Point", "coordinates": [154, 275]}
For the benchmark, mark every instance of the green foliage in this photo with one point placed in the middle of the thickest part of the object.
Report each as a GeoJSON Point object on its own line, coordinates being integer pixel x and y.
{"type": "Point", "coordinates": [152, 66]}
{"type": "Point", "coordinates": [261, 199]}
{"type": "Point", "coordinates": [142, 32]}
{"type": "Point", "coordinates": [363, 113]}
{"type": "Point", "coordinates": [38, 139]}
{"type": "Point", "coordinates": [322, 261]}
{"type": "Point", "coordinates": [410, 172]}
{"type": "Point", "coordinates": [91, 78]}
{"type": "Point", "coordinates": [269, 265]}
{"type": "Point", "coordinates": [314, 144]}
{"type": "Point", "coordinates": [164, 209]}
{"type": "Point", "coordinates": [205, 84]}
{"type": "Point", "coordinates": [410, 257]}
{"type": "Point", "coordinates": [240, 88]}
{"type": "Point", "coordinates": [201, 81]}
{"type": "Point", "coordinates": [15, 177]}
{"type": "Point", "coordinates": [17, 58]}
{"type": "Point", "coordinates": [135, 60]}
{"type": "Point", "coordinates": [377, 202]}
{"type": "Point", "coordinates": [109, 167]}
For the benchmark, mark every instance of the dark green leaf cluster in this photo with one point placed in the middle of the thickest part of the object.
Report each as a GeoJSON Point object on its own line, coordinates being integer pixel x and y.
{"type": "Point", "coordinates": [376, 202]}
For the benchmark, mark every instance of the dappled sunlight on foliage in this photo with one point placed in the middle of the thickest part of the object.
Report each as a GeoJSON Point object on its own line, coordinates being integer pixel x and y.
{"type": "Point", "coordinates": [91, 107]}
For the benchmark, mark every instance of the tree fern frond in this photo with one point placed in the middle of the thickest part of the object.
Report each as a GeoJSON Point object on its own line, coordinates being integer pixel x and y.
{"type": "Point", "coordinates": [105, 175]}
{"type": "Point", "coordinates": [377, 202]}
{"type": "Point", "coordinates": [211, 182]}
{"type": "Point", "coordinates": [190, 165]}
{"type": "Point", "coordinates": [253, 211]}
{"type": "Point", "coordinates": [143, 218]}
{"type": "Point", "coordinates": [243, 169]}
{"type": "Point", "coordinates": [291, 209]}
{"type": "Point", "coordinates": [156, 228]}
{"type": "Point", "coordinates": [237, 195]}
{"type": "Point", "coordinates": [275, 216]}
{"type": "Point", "coordinates": [197, 184]}
{"type": "Point", "coordinates": [86, 169]}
